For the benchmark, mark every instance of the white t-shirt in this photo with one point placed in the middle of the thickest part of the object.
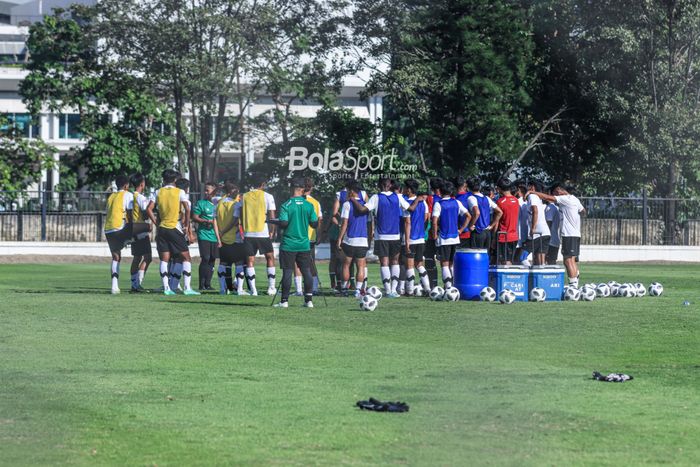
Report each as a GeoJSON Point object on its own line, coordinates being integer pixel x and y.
{"type": "Point", "coordinates": [540, 229]}
{"type": "Point", "coordinates": [143, 203]}
{"type": "Point", "coordinates": [551, 213]}
{"type": "Point", "coordinates": [472, 201]}
{"type": "Point", "coordinates": [570, 208]}
{"type": "Point", "coordinates": [269, 206]}
{"type": "Point", "coordinates": [128, 205]}
{"type": "Point", "coordinates": [237, 208]}
{"type": "Point", "coordinates": [373, 204]}
{"type": "Point", "coordinates": [437, 209]}
{"type": "Point", "coordinates": [179, 222]}
{"type": "Point", "coordinates": [355, 241]}
{"type": "Point", "coordinates": [408, 214]}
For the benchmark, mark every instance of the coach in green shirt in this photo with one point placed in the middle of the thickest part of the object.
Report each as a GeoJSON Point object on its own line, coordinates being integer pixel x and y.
{"type": "Point", "coordinates": [204, 214]}
{"type": "Point", "coordinates": [296, 215]}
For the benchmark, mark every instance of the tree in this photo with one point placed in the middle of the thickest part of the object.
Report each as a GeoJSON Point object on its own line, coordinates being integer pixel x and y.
{"type": "Point", "coordinates": [66, 71]}
{"type": "Point", "coordinates": [21, 159]}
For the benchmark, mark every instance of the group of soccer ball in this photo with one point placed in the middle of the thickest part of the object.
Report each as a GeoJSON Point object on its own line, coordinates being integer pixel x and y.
{"type": "Point", "coordinates": [587, 292]}
{"type": "Point", "coordinates": [370, 300]}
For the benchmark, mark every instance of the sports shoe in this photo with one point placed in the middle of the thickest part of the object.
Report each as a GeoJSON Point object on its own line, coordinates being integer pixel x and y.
{"type": "Point", "coordinates": [115, 291]}
{"type": "Point", "coordinates": [169, 292]}
{"type": "Point", "coordinates": [298, 294]}
{"type": "Point", "coordinates": [191, 292]}
{"type": "Point", "coordinates": [358, 293]}
{"type": "Point", "coordinates": [271, 291]}
{"type": "Point", "coordinates": [393, 295]}
{"type": "Point", "coordinates": [139, 289]}
{"type": "Point", "coordinates": [242, 292]}
{"type": "Point", "coordinates": [308, 304]}
{"type": "Point", "coordinates": [281, 305]}
{"type": "Point", "coordinates": [253, 294]}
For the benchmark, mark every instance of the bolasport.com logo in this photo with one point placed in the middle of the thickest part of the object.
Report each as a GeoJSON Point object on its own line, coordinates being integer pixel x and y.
{"type": "Point", "coordinates": [348, 163]}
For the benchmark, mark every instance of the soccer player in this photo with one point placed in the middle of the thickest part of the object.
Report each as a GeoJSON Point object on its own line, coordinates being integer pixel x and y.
{"type": "Point", "coordinates": [462, 196]}
{"type": "Point", "coordinates": [538, 230]}
{"type": "Point", "coordinates": [387, 207]}
{"type": "Point", "coordinates": [141, 246]}
{"type": "Point", "coordinates": [414, 238]}
{"type": "Point", "coordinates": [551, 214]}
{"type": "Point", "coordinates": [258, 206]}
{"type": "Point", "coordinates": [446, 229]}
{"type": "Point", "coordinates": [176, 266]}
{"type": "Point", "coordinates": [354, 239]}
{"type": "Point", "coordinates": [169, 242]}
{"type": "Point", "coordinates": [430, 248]}
{"type": "Point", "coordinates": [118, 225]}
{"type": "Point", "coordinates": [481, 209]}
{"type": "Point", "coordinates": [204, 214]}
{"type": "Point", "coordinates": [233, 251]}
{"type": "Point", "coordinates": [507, 234]}
{"type": "Point", "coordinates": [296, 216]}
{"type": "Point", "coordinates": [570, 209]}
{"type": "Point", "coordinates": [308, 187]}
{"type": "Point", "coordinates": [340, 198]}
{"type": "Point", "coordinates": [521, 252]}
{"type": "Point", "coordinates": [335, 264]}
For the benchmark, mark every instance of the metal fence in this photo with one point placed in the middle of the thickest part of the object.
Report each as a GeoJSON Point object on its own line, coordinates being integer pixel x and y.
{"type": "Point", "coordinates": [79, 217]}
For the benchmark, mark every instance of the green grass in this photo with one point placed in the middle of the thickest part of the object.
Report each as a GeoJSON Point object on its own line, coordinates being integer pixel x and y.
{"type": "Point", "coordinates": [91, 379]}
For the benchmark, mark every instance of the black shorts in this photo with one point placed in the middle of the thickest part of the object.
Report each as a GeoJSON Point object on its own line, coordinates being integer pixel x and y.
{"type": "Point", "coordinates": [387, 248]}
{"type": "Point", "coordinates": [447, 252]}
{"type": "Point", "coordinates": [117, 240]}
{"type": "Point", "coordinates": [506, 250]}
{"type": "Point", "coordinates": [538, 245]}
{"type": "Point", "coordinates": [570, 246]}
{"type": "Point", "coordinates": [288, 259]}
{"type": "Point", "coordinates": [552, 254]}
{"type": "Point", "coordinates": [354, 252]}
{"type": "Point", "coordinates": [233, 253]}
{"type": "Point", "coordinates": [171, 240]}
{"type": "Point", "coordinates": [208, 249]}
{"type": "Point", "coordinates": [255, 245]}
{"type": "Point", "coordinates": [430, 250]}
{"type": "Point", "coordinates": [416, 251]}
{"type": "Point", "coordinates": [141, 247]}
{"type": "Point", "coordinates": [481, 239]}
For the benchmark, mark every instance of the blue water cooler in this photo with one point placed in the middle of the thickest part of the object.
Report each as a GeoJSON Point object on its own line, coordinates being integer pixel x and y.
{"type": "Point", "coordinates": [550, 279]}
{"type": "Point", "coordinates": [514, 278]}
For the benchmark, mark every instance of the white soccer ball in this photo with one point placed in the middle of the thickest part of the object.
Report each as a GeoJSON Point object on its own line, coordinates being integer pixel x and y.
{"type": "Point", "coordinates": [572, 294]}
{"type": "Point", "coordinates": [451, 294]}
{"type": "Point", "coordinates": [418, 291]}
{"type": "Point", "coordinates": [374, 292]}
{"type": "Point", "coordinates": [640, 290]}
{"type": "Point", "coordinates": [655, 289]}
{"type": "Point", "coordinates": [506, 297]}
{"type": "Point", "coordinates": [602, 290]}
{"type": "Point", "coordinates": [588, 294]}
{"type": "Point", "coordinates": [626, 291]}
{"type": "Point", "coordinates": [487, 294]}
{"type": "Point", "coordinates": [368, 303]}
{"type": "Point", "coordinates": [538, 295]}
{"type": "Point", "coordinates": [437, 293]}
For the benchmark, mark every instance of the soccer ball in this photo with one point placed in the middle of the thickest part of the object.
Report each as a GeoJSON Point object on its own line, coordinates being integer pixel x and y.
{"type": "Point", "coordinates": [418, 291]}
{"type": "Point", "coordinates": [626, 291]}
{"type": "Point", "coordinates": [538, 295]}
{"type": "Point", "coordinates": [614, 286]}
{"type": "Point", "coordinates": [588, 294]}
{"type": "Point", "coordinates": [506, 297]}
{"type": "Point", "coordinates": [487, 294]}
{"type": "Point", "coordinates": [368, 303]}
{"type": "Point", "coordinates": [451, 294]}
{"type": "Point", "coordinates": [437, 293]}
{"type": "Point", "coordinates": [640, 290]}
{"type": "Point", "coordinates": [655, 289]}
{"type": "Point", "coordinates": [602, 290]}
{"type": "Point", "coordinates": [572, 294]}
{"type": "Point", "coordinates": [374, 292]}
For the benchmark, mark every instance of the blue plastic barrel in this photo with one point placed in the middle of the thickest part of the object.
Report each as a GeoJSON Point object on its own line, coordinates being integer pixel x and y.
{"type": "Point", "coordinates": [471, 272]}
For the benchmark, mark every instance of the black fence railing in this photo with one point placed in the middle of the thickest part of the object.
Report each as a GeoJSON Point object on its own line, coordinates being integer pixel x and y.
{"type": "Point", "coordinates": [79, 217]}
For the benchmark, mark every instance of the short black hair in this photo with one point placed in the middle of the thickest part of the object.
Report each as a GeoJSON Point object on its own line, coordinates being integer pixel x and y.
{"type": "Point", "coordinates": [395, 185]}
{"type": "Point", "coordinates": [436, 183]}
{"type": "Point", "coordinates": [536, 184]}
{"type": "Point", "coordinates": [183, 184]}
{"type": "Point", "coordinates": [447, 189]}
{"type": "Point", "coordinates": [230, 186]}
{"type": "Point", "coordinates": [349, 182]}
{"type": "Point", "coordinates": [487, 190]}
{"type": "Point", "coordinates": [474, 184]}
{"type": "Point", "coordinates": [308, 183]}
{"type": "Point", "coordinates": [121, 180]}
{"type": "Point", "coordinates": [384, 184]}
{"type": "Point", "coordinates": [353, 185]}
{"type": "Point", "coordinates": [504, 184]}
{"type": "Point", "coordinates": [298, 182]}
{"type": "Point", "coordinates": [136, 179]}
{"type": "Point", "coordinates": [211, 184]}
{"type": "Point", "coordinates": [170, 175]}
{"type": "Point", "coordinates": [411, 184]}
{"type": "Point", "coordinates": [521, 185]}
{"type": "Point", "coordinates": [460, 181]}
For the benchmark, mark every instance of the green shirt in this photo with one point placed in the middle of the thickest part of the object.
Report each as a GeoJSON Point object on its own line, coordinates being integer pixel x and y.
{"type": "Point", "coordinates": [298, 213]}
{"type": "Point", "coordinates": [206, 210]}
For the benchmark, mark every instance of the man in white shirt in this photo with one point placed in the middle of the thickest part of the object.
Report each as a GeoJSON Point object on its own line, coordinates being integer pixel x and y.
{"type": "Point", "coordinates": [537, 229]}
{"type": "Point", "coordinates": [570, 211]}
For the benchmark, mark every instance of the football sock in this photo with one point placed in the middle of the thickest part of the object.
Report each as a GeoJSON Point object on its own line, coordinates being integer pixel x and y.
{"type": "Point", "coordinates": [141, 275]}
{"type": "Point", "coordinates": [315, 287]}
{"type": "Point", "coordinates": [175, 275]}
{"type": "Point", "coordinates": [344, 285]}
{"type": "Point", "coordinates": [229, 278]}
{"type": "Point", "coordinates": [410, 280]}
{"type": "Point", "coordinates": [573, 281]}
{"type": "Point", "coordinates": [250, 277]}
{"type": "Point", "coordinates": [395, 272]}
{"type": "Point", "coordinates": [187, 273]}
{"type": "Point", "coordinates": [115, 274]}
{"type": "Point", "coordinates": [240, 277]}
{"type": "Point", "coordinates": [297, 284]}
{"type": "Point", "coordinates": [222, 279]}
{"type": "Point", "coordinates": [446, 277]}
{"type": "Point", "coordinates": [386, 278]}
{"type": "Point", "coordinates": [271, 277]}
{"type": "Point", "coordinates": [164, 275]}
{"type": "Point", "coordinates": [135, 280]}
{"type": "Point", "coordinates": [333, 279]}
{"type": "Point", "coordinates": [424, 279]}
{"type": "Point", "coordinates": [364, 282]}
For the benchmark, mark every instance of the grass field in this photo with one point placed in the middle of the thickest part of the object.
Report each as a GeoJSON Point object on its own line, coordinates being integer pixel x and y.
{"type": "Point", "coordinates": [92, 379]}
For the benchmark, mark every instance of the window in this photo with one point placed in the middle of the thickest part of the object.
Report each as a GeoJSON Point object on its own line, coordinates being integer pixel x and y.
{"type": "Point", "coordinates": [22, 123]}
{"type": "Point", "coordinates": [68, 126]}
